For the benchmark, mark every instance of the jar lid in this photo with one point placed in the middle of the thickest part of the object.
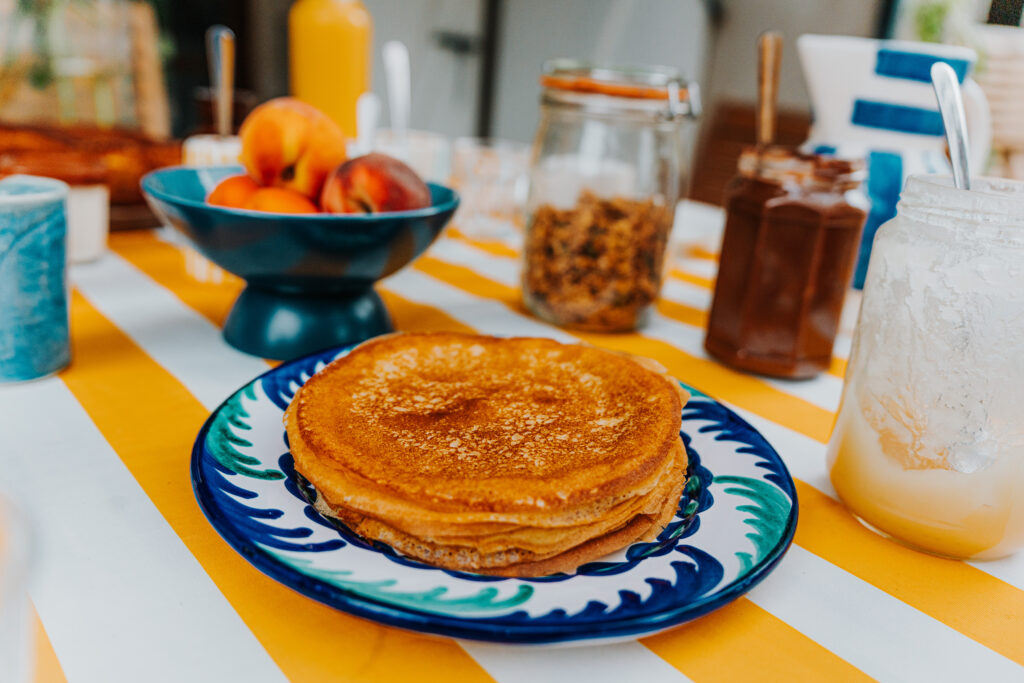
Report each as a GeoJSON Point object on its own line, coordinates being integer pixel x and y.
{"type": "Point", "coordinates": [791, 165]}
{"type": "Point", "coordinates": [656, 89]}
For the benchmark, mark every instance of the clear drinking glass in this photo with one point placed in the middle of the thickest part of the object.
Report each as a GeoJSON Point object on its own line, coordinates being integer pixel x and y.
{"type": "Point", "coordinates": [15, 624]}
{"type": "Point", "coordinates": [490, 176]}
{"type": "Point", "coordinates": [427, 153]}
{"type": "Point", "coordinates": [928, 445]}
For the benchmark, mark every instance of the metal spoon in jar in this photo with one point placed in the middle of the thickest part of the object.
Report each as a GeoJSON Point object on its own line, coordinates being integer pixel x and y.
{"type": "Point", "coordinates": [951, 106]}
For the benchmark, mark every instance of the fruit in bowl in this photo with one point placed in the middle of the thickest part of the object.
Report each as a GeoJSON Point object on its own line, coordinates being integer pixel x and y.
{"type": "Point", "coordinates": [233, 192]}
{"type": "Point", "coordinates": [309, 276]}
{"type": "Point", "coordinates": [279, 200]}
{"type": "Point", "coordinates": [294, 157]}
{"type": "Point", "coordinates": [290, 144]}
{"type": "Point", "coordinates": [375, 183]}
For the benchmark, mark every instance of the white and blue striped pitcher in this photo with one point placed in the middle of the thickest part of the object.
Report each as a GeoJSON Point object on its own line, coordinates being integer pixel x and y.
{"type": "Point", "coordinates": [874, 99]}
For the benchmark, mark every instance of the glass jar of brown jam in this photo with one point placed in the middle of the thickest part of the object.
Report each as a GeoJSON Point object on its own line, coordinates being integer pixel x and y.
{"type": "Point", "coordinates": [793, 223]}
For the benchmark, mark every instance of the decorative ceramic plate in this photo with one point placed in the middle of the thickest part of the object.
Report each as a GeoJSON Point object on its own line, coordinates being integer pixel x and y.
{"type": "Point", "coordinates": [735, 520]}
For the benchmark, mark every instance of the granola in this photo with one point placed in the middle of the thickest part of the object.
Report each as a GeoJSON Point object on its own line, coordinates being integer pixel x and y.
{"type": "Point", "coordinates": [596, 266]}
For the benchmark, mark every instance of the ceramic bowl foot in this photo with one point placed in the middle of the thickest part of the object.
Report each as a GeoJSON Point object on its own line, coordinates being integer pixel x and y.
{"type": "Point", "coordinates": [281, 326]}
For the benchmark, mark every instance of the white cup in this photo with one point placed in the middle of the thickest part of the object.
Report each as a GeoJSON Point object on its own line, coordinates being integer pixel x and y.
{"type": "Point", "coordinates": [88, 217]}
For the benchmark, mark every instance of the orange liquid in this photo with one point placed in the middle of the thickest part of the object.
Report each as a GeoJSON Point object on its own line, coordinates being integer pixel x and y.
{"type": "Point", "coordinates": [941, 511]}
{"type": "Point", "coordinates": [329, 51]}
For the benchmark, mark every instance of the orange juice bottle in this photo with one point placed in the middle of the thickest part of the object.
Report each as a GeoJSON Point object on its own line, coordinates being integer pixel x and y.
{"type": "Point", "coordinates": [329, 54]}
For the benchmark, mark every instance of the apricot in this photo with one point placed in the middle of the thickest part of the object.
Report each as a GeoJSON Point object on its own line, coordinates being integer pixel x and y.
{"type": "Point", "coordinates": [279, 200]}
{"type": "Point", "coordinates": [233, 192]}
{"type": "Point", "coordinates": [290, 144]}
{"type": "Point", "coordinates": [375, 183]}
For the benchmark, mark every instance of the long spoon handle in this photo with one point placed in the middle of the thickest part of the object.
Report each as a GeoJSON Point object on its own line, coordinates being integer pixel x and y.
{"type": "Point", "coordinates": [951, 106]}
{"type": "Point", "coordinates": [769, 59]}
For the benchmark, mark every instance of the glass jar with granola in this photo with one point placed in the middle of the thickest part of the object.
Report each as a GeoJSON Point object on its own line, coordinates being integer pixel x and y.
{"type": "Point", "coordinates": [604, 180]}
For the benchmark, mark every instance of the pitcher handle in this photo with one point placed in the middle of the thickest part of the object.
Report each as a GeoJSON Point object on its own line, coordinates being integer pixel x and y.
{"type": "Point", "coordinates": [979, 125]}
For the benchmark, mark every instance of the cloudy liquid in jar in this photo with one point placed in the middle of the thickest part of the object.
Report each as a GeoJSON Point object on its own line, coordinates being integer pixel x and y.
{"type": "Point", "coordinates": [928, 446]}
{"type": "Point", "coordinates": [926, 506]}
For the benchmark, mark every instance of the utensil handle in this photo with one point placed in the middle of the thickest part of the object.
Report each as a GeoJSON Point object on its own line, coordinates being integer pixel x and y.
{"type": "Point", "coordinates": [769, 60]}
{"type": "Point", "coordinates": [399, 87]}
{"type": "Point", "coordinates": [367, 116]}
{"type": "Point", "coordinates": [220, 54]}
{"type": "Point", "coordinates": [951, 106]}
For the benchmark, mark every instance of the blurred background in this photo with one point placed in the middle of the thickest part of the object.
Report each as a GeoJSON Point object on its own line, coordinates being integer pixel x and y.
{"type": "Point", "coordinates": [475, 63]}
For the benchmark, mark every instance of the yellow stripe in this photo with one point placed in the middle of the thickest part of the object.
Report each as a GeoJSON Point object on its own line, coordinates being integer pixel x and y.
{"type": "Point", "coordinates": [673, 645]}
{"type": "Point", "coordinates": [838, 367]}
{"type": "Point", "coordinates": [409, 316]}
{"type": "Point", "coordinates": [963, 597]}
{"type": "Point", "coordinates": [741, 389]}
{"type": "Point", "coordinates": [742, 642]}
{"type": "Point", "coordinates": [825, 528]}
{"type": "Point", "coordinates": [705, 282]}
{"type": "Point", "coordinates": [940, 588]}
{"type": "Point", "coordinates": [697, 251]}
{"type": "Point", "coordinates": [150, 420]}
{"type": "Point", "coordinates": [491, 247]}
{"type": "Point", "coordinates": [684, 313]}
{"type": "Point", "coordinates": [164, 263]}
{"type": "Point", "coordinates": [47, 668]}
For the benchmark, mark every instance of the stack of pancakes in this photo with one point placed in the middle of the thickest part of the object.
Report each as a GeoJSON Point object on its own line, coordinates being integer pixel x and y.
{"type": "Point", "coordinates": [516, 457]}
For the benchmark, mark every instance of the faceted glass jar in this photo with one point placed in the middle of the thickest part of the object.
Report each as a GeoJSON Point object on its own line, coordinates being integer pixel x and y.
{"type": "Point", "coordinates": [928, 446]}
{"type": "Point", "coordinates": [604, 179]}
{"type": "Point", "coordinates": [793, 223]}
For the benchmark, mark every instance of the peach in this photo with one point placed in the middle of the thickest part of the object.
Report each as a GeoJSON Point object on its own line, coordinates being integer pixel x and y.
{"type": "Point", "coordinates": [280, 200]}
{"type": "Point", "coordinates": [290, 144]}
{"type": "Point", "coordinates": [375, 183]}
{"type": "Point", "coordinates": [234, 191]}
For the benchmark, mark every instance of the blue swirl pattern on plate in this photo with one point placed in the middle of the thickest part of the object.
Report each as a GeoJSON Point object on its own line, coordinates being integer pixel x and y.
{"type": "Point", "coordinates": [735, 520]}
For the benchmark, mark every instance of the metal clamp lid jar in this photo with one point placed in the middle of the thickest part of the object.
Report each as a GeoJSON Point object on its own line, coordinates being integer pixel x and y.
{"type": "Point", "coordinates": [604, 180]}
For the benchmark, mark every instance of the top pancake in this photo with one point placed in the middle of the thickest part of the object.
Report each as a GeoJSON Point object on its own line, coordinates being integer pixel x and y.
{"type": "Point", "coordinates": [456, 423]}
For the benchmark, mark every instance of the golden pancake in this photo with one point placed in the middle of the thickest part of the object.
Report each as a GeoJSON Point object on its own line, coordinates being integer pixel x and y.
{"type": "Point", "coordinates": [509, 556]}
{"type": "Point", "coordinates": [354, 492]}
{"type": "Point", "coordinates": [478, 424]}
{"type": "Point", "coordinates": [539, 541]}
{"type": "Point", "coordinates": [489, 454]}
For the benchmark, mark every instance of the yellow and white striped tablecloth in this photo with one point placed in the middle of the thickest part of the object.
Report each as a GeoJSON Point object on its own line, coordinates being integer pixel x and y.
{"type": "Point", "coordinates": [133, 584]}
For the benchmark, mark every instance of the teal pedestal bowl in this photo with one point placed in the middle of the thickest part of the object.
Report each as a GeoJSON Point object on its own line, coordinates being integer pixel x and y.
{"type": "Point", "coordinates": [309, 278]}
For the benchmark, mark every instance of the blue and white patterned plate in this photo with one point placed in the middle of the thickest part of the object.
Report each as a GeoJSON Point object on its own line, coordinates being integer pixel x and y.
{"type": "Point", "coordinates": [734, 522]}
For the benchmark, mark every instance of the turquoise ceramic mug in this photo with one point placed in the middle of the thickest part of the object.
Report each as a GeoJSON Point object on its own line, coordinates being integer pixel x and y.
{"type": "Point", "coordinates": [34, 338]}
